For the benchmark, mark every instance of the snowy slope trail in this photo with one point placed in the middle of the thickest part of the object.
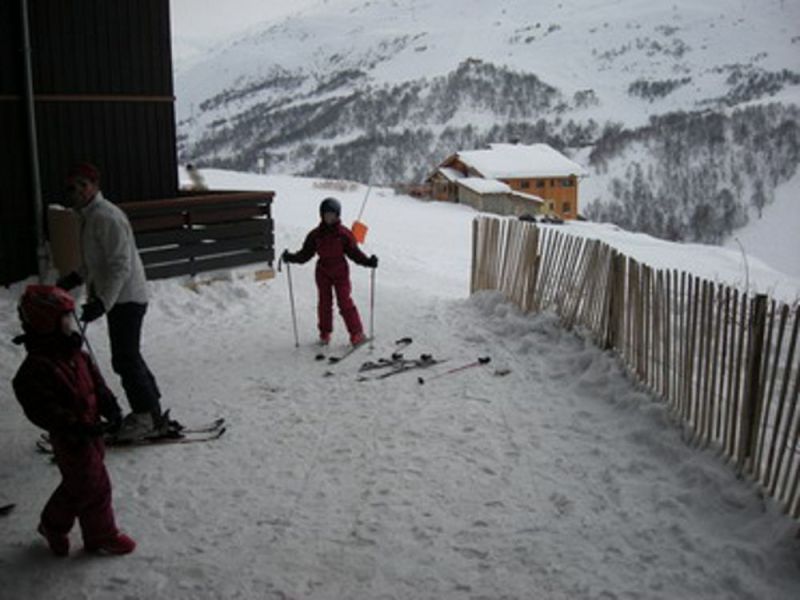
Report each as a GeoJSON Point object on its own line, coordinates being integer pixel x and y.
{"type": "Point", "coordinates": [558, 480]}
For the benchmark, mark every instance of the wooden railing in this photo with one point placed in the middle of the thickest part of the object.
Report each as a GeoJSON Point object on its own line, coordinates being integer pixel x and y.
{"type": "Point", "coordinates": [727, 363]}
{"type": "Point", "coordinates": [186, 236]}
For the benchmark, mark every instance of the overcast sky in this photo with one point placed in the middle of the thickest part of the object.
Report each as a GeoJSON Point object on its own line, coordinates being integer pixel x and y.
{"type": "Point", "coordinates": [221, 18]}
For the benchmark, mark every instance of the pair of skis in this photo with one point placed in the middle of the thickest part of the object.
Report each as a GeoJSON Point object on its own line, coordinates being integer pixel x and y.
{"type": "Point", "coordinates": [397, 365]}
{"type": "Point", "coordinates": [175, 434]}
{"type": "Point", "coordinates": [399, 344]}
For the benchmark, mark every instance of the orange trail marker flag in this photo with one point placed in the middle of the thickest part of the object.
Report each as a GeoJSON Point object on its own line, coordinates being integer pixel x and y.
{"type": "Point", "coordinates": [360, 229]}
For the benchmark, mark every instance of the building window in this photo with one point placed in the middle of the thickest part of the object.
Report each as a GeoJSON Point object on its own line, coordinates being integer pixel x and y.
{"type": "Point", "coordinates": [540, 183]}
{"type": "Point", "coordinates": [566, 208]}
{"type": "Point", "coordinates": [552, 206]}
{"type": "Point", "coordinates": [567, 183]}
{"type": "Point", "coordinates": [525, 184]}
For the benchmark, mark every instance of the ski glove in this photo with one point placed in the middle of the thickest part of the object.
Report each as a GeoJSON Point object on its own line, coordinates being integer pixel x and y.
{"type": "Point", "coordinates": [69, 281]}
{"type": "Point", "coordinates": [92, 310]}
{"type": "Point", "coordinates": [288, 257]}
{"type": "Point", "coordinates": [372, 262]}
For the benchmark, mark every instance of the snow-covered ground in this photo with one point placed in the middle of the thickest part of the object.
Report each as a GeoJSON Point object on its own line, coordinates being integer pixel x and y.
{"type": "Point", "coordinates": [560, 480]}
{"type": "Point", "coordinates": [775, 237]}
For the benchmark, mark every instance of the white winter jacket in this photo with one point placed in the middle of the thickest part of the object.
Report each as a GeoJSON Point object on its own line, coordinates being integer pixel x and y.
{"type": "Point", "coordinates": [111, 267]}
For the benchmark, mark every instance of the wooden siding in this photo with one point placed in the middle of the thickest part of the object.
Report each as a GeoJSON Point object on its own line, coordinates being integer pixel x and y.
{"type": "Point", "coordinates": [101, 47]}
{"type": "Point", "coordinates": [17, 231]}
{"type": "Point", "coordinates": [103, 92]}
{"type": "Point", "coordinates": [187, 236]}
{"type": "Point", "coordinates": [501, 203]}
{"type": "Point", "coordinates": [552, 190]}
{"type": "Point", "coordinates": [443, 189]}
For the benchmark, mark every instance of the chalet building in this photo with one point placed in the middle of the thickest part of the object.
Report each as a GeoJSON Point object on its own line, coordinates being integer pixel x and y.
{"type": "Point", "coordinates": [491, 195]}
{"type": "Point", "coordinates": [538, 179]}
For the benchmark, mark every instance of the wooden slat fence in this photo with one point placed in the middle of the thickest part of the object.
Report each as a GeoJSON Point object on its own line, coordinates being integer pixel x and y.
{"type": "Point", "coordinates": [727, 363]}
{"type": "Point", "coordinates": [187, 236]}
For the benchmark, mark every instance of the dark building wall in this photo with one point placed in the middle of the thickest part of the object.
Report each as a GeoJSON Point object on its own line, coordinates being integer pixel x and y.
{"type": "Point", "coordinates": [102, 76]}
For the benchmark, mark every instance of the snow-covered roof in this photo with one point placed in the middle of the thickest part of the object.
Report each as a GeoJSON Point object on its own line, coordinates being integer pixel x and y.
{"type": "Point", "coordinates": [529, 197]}
{"type": "Point", "coordinates": [507, 161]}
{"type": "Point", "coordinates": [450, 174]}
{"type": "Point", "coordinates": [484, 186]}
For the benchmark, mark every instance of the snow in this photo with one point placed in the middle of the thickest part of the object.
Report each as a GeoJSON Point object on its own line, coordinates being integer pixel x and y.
{"type": "Point", "coordinates": [531, 197]}
{"type": "Point", "coordinates": [392, 42]}
{"type": "Point", "coordinates": [484, 186]}
{"type": "Point", "coordinates": [718, 264]}
{"type": "Point", "coordinates": [560, 480]}
{"type": "Point", "coordinates": [775, 237]}
{"type": "Point", "coordinates": [450, 174]}
{"type": "Point", "coordinates": [508, 161]}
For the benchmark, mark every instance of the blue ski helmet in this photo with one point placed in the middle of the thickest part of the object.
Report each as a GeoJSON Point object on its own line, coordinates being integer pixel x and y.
{"type": "Point", "coordinates": [330, 205]}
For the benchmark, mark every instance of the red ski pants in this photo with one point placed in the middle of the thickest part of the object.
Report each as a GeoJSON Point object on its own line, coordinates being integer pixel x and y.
{"type": "Point", "coordinates": [84, 492]}
{"type": "Point", "coordinates": [327, 284]}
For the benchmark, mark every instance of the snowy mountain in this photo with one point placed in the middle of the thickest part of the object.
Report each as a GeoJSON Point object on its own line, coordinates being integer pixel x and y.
{"type": "Point", "coordinates": [668, 105]}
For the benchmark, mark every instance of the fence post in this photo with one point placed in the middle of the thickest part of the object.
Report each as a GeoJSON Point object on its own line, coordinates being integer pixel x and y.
{"type": "Point", "coordinates": [473, 283]}
{"type": "Point", "coordinates": [610, 308]}
{"type": "Point", "coordinates": [751, 401]}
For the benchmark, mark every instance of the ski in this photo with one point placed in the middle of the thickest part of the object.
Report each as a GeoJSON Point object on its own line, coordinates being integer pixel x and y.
{"type": "Point", "coordinates": [425, 361]}
{"type": "Point", "coordinates": [164, 440]}
{"type": "Point", "coordinates": [395, 360]}
{"type": "Point", "coordinates": [171, 437]}
{"type": "Point", "coordinates": [173, 426]}
{"type": "Point", "coordinates": [199, 428]}
{"type": "Point", "coordinates": [399, 344]}
{"type": "Point", "coordinates": [6, 508]}
{"type": "Point", "coordinates": [484, 360]}
{"type": "Point", "coordinates": [335, 359]}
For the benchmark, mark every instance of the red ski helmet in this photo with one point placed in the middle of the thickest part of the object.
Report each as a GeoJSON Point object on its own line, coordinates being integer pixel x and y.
{"type": "Point", "coordinates": [42, 307]}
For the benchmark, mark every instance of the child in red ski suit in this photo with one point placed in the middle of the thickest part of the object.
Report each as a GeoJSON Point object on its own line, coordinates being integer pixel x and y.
{"type": "Point", "coordinates": [332, 242]}
{"type": "Point", "coordinates": [61, 391]}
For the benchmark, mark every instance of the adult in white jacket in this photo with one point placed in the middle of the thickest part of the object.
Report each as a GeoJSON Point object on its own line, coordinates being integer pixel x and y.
{"type": "Point", "coordinates": [116, 286]}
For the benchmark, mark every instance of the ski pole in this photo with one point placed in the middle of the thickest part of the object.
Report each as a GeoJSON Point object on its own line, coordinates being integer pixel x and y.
{"type": "Point", "coordinates": [481, 361]}
{"type": "Point", "coordinates": [371, 307]}
{"type": "Point", "coordinates": [82, 329]}
{"type": "Point", "coordinates": [291, 300]}
{"type": "Point", "coordinates": [364, 203]}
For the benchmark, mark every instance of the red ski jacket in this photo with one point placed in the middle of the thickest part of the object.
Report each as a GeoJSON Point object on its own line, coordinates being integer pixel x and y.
{"type": "Point", "coordinates": [331, 243]}
{"type": "Point", "coordinates": [59, 387]}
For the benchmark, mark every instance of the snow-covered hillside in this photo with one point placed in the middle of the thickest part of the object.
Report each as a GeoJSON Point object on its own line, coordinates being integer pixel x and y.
{"type": "Point", "coordinates": [560, 480]}
{"type": "Point", "coordinates": [685, 114]}
{"type": "Point", "coordinates": [572, 45]}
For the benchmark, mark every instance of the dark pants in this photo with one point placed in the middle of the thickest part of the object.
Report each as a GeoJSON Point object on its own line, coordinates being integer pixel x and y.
{"type": "Point", "coordinates": [84, 492]}
{"type": "Point", "coordinates": [125, 332]}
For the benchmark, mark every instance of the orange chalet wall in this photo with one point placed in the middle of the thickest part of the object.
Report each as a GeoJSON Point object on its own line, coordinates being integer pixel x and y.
{"type": "Point", "coordinates": [559, 193]}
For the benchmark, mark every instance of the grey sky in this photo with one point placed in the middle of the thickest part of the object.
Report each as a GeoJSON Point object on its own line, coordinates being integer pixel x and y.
{"type": "Point", "coordinates": [209, 19]}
